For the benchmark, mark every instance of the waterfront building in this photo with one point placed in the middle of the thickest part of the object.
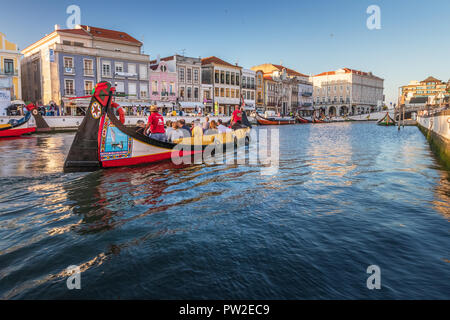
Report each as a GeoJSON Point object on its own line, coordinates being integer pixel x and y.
{"type": "Point", "coordinates": [10, 75]}
{"type": "Point", "coordinates": [68, 63]}
{"type": "Point", "coordinates": [248, 88]}
{"type": "Point", "coordinates": [207, 93]}
{"type": "Point", "coordinates": [259, 89]}
{"type": "Point", "coordinates": [225, 79]}
{"type": "Point", "coordinates": [347, 92]}
{"type": "Point", "coordinates": [431, 92]}
{"type": "Point", "coordinates": [163, 85]}
{"type": "Point", "coordinates": [288, 92]}
{"type": "Point", "coordinates": [189, 81]}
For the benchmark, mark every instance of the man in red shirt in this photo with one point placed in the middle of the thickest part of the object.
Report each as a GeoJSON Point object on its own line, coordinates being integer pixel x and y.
{"type": "Point", "coordinates": [156, 124]}
{"type": "Point", "coordinates": [237, 115]}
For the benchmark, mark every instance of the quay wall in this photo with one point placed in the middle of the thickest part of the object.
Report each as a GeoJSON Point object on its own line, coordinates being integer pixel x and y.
{"type": "Point", "coordinates": [436, 128]}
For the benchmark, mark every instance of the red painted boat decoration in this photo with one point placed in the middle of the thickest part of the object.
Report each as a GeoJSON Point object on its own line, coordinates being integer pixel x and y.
{"type": "Point", "coordinates": [273, 121]}
{"type": "Point", "coordinates": [16, 128]}
{"type": "Point", "coordinates": [102, 141]}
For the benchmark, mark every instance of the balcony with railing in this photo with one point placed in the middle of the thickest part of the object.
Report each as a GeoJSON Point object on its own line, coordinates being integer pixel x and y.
{"type": "Point", "coordinates": [69, 70]}
{"type": "Point", "coordinates": [307, 93]}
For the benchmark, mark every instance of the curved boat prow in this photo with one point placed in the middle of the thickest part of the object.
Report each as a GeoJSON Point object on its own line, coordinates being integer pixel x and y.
{"type": "Point", "coordinates": [84, 152]}
{"type": "Point", "coordinates": [41, 124]}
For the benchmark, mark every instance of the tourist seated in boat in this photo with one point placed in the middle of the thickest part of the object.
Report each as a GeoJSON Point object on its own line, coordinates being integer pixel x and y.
{"type": "Point", "coordinates": [212, 128]}
{"type": "Point", "coordinates": [184, 128]}
{"type": "Point", "coordinates": [174, 133]}
{"type": "Point", "coordinates": [221, 128]}
{"type": "Point", "coordinates": [205, 125]}
{"type": "Point", "coordinates": [155, 125]}
{"type": "Point", "coordinates": [197, 129]}
{"type": "Point", "coordinates": [140, 127]}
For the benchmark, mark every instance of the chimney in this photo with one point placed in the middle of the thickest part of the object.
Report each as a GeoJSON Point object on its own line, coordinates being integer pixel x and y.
{"type": "Point", "coordinates": [57, 27]}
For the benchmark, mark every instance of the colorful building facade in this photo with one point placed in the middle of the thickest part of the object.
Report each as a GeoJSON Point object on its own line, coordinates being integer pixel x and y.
{"type": "Point", "coordinates": [225, 79]}
{"type": "Point", "coordinates": [10, 73]}
{"type": "Point", "coordinates": [68, 63]}
{"type": "Point", "coordinates": [431, 91]}
{"type": "Point", "coordinates": [163, 86]}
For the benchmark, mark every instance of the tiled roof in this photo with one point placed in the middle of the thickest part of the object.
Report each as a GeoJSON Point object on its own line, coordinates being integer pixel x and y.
{"type": "Point", "coordinates": [346, 70]}
{"type": "Point", "coordinates": [162, 59]}
{"type": "Point", "coordinates": [431, 79]}
{"type": "Point", "coordinates": [75, 31]}
{"type": "Point", "coordinates": [110, 34]}
{"type": "Point", "coordinates": [218, 61]}
{"type": "Point", "coordinates": [290, 72]}
{"type": "Point", "coordinates": [267, 77]}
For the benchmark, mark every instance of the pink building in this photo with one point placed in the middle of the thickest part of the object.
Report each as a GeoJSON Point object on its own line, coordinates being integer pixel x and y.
{"type": "Point", "coordinates": [163, 86]}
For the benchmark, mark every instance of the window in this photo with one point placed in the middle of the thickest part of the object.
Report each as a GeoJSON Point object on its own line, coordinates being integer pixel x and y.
{"type": "Point", "coordinates": [253, 95]}
{"type": "Point", "coordinates": [88, 85]}
{"type": "Point", "coordinates": [222, 77]}
{"type": "Point", "coordinates": [171, 88]}
{"type": "Point", "coordinates": [237, 93]}
{"type": "Point", "coordinates": [142, 71]}
{"type": "Point", "coordinates": [9, 66]}
{"type": "Point", "coordinates": [154, 87]}
{"type": "Point", "coordinates": [132, 89]}
{"type": "Point", "coordinates": [106, 69]}
{"type": "Point", "coordinates": [88, 67]}
{"type": "Point", "coordinates": [68, 62]}
{"type": "Point", "coordinates": [196, 93]}
{"type": "Point", "coordinates": [181, 75]}
{"type": "Point", "coordinates": [222, 92]}
{"type": "Point", "coordinates": [216, 92]}
{"type": "Point", "coordinates": [189, 75]}
{"type": "Point", "coordinates": [132, 69]}
{"type": "Point", "coordinates": [144, 90]}
{"type": "Point", "coordinates": [244, 82]}
{"type": "Point", "coordinates": [189, 92]}
{"type": "Point", "coordinates": [232, 93]}
{"type": "Point", "coordinates": [216, 76]}
{"type": "Point", "coordinates": [164, 88]}
{"type": "Point", "coordinates": [228, 77]}
{"type": "Point", "coordinates": [68, 65]}
{"type": "Point", "coordinates": [69, 87]}
{"type": "Point", "coordinates": [227, 92]}
{"type": "Point", "coordinates": [182, 92]}
{"type": "Point", "coordinates": [237, 79]}
{"type": "Point", "coordinates": [232, 78]}
{"type": "Point", "coordinates": [120, 87]}
{"type": "Point", "coordinates": [118, 66]}
{"type": "Point", "coordinates": [196, 75]}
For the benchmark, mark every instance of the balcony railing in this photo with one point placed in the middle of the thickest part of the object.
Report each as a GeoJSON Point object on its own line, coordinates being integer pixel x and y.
{"type": "Point", "coordinates": [307, 94]}
{"type": "Point", "coordinates": [69, 70]}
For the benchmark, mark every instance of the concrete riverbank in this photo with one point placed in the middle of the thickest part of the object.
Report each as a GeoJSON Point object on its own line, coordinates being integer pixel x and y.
{"type": "Point", "coordinates": [436, 127]}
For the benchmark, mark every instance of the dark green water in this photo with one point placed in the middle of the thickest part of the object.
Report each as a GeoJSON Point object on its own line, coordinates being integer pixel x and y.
{"type": "Point", "coordinates": [346, 196]}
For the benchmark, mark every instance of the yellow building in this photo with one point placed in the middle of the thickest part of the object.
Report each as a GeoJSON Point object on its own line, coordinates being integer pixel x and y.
{"type": "Point", "coordinates": [10, 68]}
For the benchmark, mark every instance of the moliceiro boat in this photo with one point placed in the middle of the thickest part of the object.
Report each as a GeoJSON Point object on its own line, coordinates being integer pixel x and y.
{"type": "Point", "coordinates": [102, 141]}
{"type": "Point", "coordinates": [303, 120]}
{"type": "Point", "coordinates": [16, 128]}
{"type": "Point", "coordinates": [273, 120]}
{"type": "Point", "coordinates": [386, 121]}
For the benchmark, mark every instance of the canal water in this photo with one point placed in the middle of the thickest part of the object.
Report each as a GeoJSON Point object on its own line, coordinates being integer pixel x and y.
{"type": "Point", "coordinates": [346, 196]}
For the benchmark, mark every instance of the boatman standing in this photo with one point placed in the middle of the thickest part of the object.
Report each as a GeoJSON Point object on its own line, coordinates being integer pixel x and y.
{"type": "Point", "coordinates": [237, 115]}
{"type": "Point", "coordinates": [156, 125]}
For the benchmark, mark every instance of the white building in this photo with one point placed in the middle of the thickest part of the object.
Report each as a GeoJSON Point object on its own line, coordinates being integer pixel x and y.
{"type": "Point", "coordinates": [248, 87]}
{"type": "Point", "coordinates": [347, 91]}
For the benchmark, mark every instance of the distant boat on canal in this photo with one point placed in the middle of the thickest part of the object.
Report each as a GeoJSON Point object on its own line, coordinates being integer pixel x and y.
{"type": "Point", "coordinates": [386, 121]}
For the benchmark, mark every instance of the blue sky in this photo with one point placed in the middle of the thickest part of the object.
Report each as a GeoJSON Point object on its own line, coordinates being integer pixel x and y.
{"type": "Point", "coordinates": [309, 36]}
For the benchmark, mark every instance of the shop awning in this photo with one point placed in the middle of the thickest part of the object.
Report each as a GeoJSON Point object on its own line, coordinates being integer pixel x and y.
{"type": "Point", "coordinates": [191, 105]}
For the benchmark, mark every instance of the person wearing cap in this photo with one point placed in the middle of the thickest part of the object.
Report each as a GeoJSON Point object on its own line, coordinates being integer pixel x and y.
{"type": "Point", "coordinates": [156, 125]}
